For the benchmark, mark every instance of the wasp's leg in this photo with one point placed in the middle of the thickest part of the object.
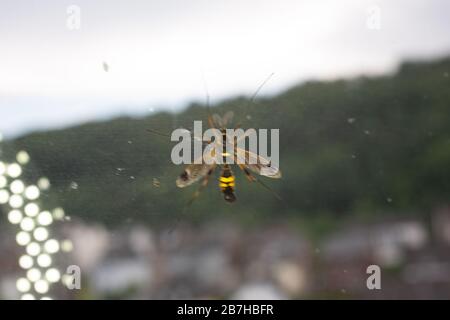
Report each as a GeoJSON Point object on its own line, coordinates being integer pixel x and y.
{"type": "Point", "coordinates": [248, 174]}
{"type": "Point", "coordinates": [252, 178]}
{"type": "Point", "coordinates": [197, 193]}
{"type": "Point", "coordinates": [211, 121]}
{"type": "Point", "coordinates": [202, 186]}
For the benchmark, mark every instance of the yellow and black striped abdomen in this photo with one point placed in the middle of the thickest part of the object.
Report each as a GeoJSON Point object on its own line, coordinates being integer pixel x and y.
{"type": "Point", "coordinates": [226, 184]}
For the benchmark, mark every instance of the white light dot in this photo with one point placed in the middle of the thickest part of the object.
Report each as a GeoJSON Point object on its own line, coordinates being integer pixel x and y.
{"type": "Point", "coordinates": [23, 285]}
{"type": "Point", "coordinates": [46, 298]}
{"type": "Point", "coordinates": [51, 246]}
{"type": "Point", "coordinates": [32, 209]}
{"type": "Point", "coordinates": [23, 238]}
{"type": "Point", "coordinates": [40, 234]}
{"type": "Point", "coordinates": [43, 183]}
{"type": "Point", "coordinates": [53, 275]}
{"type": "Point", "coordinates": [44, 260]}
{"type": "Point", "coordinates": [27, 224]}
{"type": "Point", "coordinates": [25, 262]}
{"type": "Point", "coordinates": [16, 201]}
{"type": "Point", "coordinates": [28, 296]}
{"type": "Point", "coordinates": [3, 181]}
{"type": "Point", "coordinates": [34, 275]}
{"type": "Point", "coordinates": [41, 286]}
{"type": "Point", "coordinates": [17, 186]}
{"type": "Point", "coordinates": [23, 157]}
{"type": "Point", "coordinates": [4, 196]}
{"type": "Point", "coordinates": [2, 168]}
{"type": "Point", "coordinates": [14, 170]}
{"type": "Point", "coordinates": [58, 214]}
{"type": "Point", "coordinates": [32, 192]}
{"type": "Point", "coordinates": [15, 216]}
{"type": "Point", "coordinates": [45, 218]}
{"type": "Point", "coordinates": [66, 246]}
{"type": "Point", "coordinates": [33, 249]}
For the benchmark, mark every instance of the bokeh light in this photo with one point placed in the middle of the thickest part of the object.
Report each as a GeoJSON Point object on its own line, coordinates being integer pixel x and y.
{"type": "Point", "coordinates": [58, 214]}
{"type": "Point", "coordinates": [32, 193]}
{"type": "Point", "coordinates": [16, 201]}
{"type": "Point", "coordinates": [17, 186]}
{"type": "Point", "coordinates": [34, 275]}
{"type": "Point", "coordinates": [23, 157]}
{"type": "Point", "coordinates": [51, 246]}
{"type": "Point", "coordinates": [31, 209]}
{"type": "Point", "coordinates": [24, 210]}
{"type": "Point", "coordinates": [45, 218]}
{"type": "Point", "coordinates": [23, 285]}
{"type": "Point", "coordinates": [4, 196]}
{"type": "Point", "coordinates": [33, 249]}
{"type": "Point", "coordinates": [53, 275]}
{"type": "Point", "coordinates": [15, 216]}
{"type": "Point", "coordinates": [14, 170]}
{"type": "Point", "coordinates": [27, 224]}
{"type": "Point", "coordinates": [28, 296]}
{"type": "Point", "coordinates": [66, 245]}
{"type": "Point", "coordinates": [26, 262]}
{"type": "Point", "coordinates": [41, 286]}
{"type": "Point", "coordinates": [23, 238]}
{"type": "Point", "coordinates": [3, 181]}
{"type": "Point", "coordinates": [44, 260]}
{"type": "Point", "coordinates": [2, 168]}
{"type": "Point", "coordinates": [40, 234]}
{"type": "Point", "coordinates": [43, 184]}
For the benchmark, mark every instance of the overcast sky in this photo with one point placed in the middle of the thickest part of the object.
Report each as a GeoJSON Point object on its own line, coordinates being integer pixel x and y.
{"type": "Point", "coordinates": [158, 52]}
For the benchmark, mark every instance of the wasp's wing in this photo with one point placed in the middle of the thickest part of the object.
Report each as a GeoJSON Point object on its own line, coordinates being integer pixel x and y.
{"type": "Point", "coordinates": [257, 164]}
{"type": "Point", "coordinates": [192, 135]}
{"type": "Point", "coordinates": [227, 118]}
{"type": "Point", "coordinates": [222, 122]}
{"type": "Point", "coordinates": [217, 120]}
{"type": "Point", "coordinates": [193, 173]}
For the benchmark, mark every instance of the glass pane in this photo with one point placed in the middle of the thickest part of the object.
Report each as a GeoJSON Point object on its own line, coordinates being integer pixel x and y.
{"type": "Point", "coordinates": [103, 104]}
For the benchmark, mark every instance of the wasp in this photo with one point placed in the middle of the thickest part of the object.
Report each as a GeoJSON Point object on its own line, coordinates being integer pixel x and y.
{"type": "Point", "coordinates": [249, 162]}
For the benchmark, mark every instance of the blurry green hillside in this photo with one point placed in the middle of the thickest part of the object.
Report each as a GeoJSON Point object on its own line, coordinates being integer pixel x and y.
{"type": "Point", "coordinates": [365, 146]}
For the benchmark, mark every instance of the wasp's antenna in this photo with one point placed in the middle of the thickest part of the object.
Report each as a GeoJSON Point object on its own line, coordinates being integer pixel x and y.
{"type": "Point", "coordinates": [265, 186]}
{"type": "Point", "coordinates": [252, 99]}
{"type": "Point", "coordinates": [158, 133]}
{"type": "Point", "coordinates": [255, 94]}
{"type": "Point", "coordinates": [211, 122]}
